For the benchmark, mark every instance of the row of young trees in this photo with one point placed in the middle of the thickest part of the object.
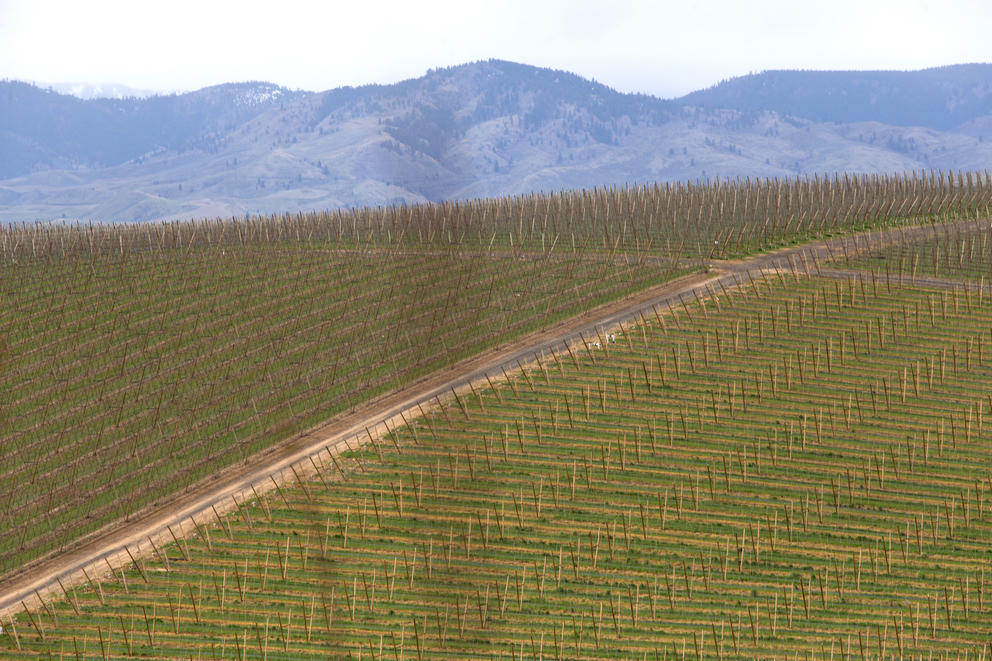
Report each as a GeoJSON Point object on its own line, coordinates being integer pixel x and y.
{"type": "Point", "coordinates": [741, 215]}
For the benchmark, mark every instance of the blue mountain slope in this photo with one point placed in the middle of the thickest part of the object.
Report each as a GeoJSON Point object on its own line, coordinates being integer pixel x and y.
{"type": "Point", "coordinates": [940, 98]}
{"type": "Point", "coordinates": [482, 129]}
{"type": "Point", "coordinates": [41, 129]}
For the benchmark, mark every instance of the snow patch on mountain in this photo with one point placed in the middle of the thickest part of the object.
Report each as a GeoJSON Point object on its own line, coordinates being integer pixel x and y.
{"type": "Point", "coordinates": [259, 94]}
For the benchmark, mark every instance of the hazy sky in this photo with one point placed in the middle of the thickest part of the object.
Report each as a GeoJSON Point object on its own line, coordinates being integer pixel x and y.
{"type": "Point", "coordinates": [666, 48]}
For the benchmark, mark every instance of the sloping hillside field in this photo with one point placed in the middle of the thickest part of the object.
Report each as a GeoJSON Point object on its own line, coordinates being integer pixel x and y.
{"type": "Point", "coordinates": [140, 376]}
{"type": "Point", "coordinates": [136, 360]}
{"type": "Point", "coordinates": [796, 468]}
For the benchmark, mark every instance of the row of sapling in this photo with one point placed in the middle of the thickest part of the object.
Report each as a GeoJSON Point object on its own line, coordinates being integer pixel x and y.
{"type": "Point", "coordinates": [615, 609]}
{"type": "Point", "coordinates": [740, 215]}
{"type": "Point", "coordinates": [177, 230]}
{"type": "Point", "coordinates": [145, 400]}
{"type": "Point", "coordinates": [956, 251]}
{"type": "Point", "coordinates": [614, 537]}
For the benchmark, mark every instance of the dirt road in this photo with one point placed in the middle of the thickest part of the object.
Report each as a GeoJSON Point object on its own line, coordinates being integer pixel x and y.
{"type": "Point", "coordinates": [120, 543]}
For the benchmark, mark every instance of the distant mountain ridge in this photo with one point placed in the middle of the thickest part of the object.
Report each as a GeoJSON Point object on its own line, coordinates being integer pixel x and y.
{"type": "Point", "coordinates": [41, 129]}
{"type": "Point", "coordinates": [940, 98]}
{"type": "Point", "coordinates": [480, 129]}
{"type": "Point", "coordinates": [91, 90]}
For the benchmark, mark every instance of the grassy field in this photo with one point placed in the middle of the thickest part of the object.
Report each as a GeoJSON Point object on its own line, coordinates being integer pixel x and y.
{"type": "Point", "coordinates": [138, 359]}
{"type": "Point", "coordinates": [798, 470]}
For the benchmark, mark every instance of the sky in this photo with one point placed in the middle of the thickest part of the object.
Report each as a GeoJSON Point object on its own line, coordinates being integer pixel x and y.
{"type": "Point", "coordinates": [665, 48]}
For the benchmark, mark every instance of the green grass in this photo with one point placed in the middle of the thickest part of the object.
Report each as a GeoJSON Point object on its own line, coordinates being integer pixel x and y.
{"type": "Point", "coordinates": [785, 425]}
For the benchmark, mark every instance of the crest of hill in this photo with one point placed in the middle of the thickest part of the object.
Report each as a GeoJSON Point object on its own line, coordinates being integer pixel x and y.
{"type": "Point", "coordinates": [431, 113]}
{"type": "Point", "coordinates": [484, 90]}
{"type": "Point", "coordinates": [940, 98]}
{"type": "Point", "coordinates": [42, 129]}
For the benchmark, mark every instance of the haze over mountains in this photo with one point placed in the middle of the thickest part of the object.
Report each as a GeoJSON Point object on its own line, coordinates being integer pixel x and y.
{"type": "Point", "coordinates": [487, 128]}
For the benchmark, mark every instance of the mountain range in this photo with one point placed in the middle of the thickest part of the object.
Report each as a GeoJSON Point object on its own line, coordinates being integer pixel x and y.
{"type": "Point", "coordinates": [480, 129]}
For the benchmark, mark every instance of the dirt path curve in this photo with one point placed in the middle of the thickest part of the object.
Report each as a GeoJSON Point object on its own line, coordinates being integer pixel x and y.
{"type": "Point", "coordinates": [118, 544]}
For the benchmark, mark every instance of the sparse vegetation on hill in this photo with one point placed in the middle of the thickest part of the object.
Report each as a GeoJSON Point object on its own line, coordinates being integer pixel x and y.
{"type": "Point", "coordinates": [938, 98]}
{"type": "Point", "coordinates": [484, 129]}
